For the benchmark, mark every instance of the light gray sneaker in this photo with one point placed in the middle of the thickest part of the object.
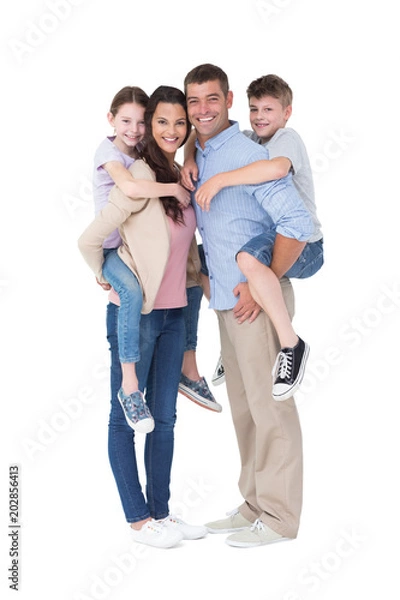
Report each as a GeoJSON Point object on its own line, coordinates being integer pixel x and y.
{"type": "Point", "coordinates": [234, 522]}
{"type": "Point", "coordinates": [257, 535]}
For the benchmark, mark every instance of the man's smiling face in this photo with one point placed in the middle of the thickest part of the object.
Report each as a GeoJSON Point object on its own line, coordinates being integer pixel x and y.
{"type": "Point", "coordinates": [208, 108]}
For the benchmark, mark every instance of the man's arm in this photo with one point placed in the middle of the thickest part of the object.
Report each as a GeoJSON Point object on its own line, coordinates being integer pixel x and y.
{"type": "Point", "coordinates": [285, 253]}
{"type": "Point", "coordinates": [189, 171]}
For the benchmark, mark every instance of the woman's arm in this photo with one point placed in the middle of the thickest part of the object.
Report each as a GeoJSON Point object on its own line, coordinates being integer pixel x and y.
{"type": "Point", "coordinates": [141, 188]}
{"type": "Point", "coordinates": [256, 172]}
{"type": "Point", "coordinates": [91, 241]}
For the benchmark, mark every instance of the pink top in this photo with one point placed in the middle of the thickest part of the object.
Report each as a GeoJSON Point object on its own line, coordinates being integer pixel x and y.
{"type": "Point", "coordinates": [172, 291]}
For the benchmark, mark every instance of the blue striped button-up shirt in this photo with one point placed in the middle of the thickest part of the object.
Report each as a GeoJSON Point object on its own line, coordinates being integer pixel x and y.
{"type": "Point", "coordinates": [239, 213]}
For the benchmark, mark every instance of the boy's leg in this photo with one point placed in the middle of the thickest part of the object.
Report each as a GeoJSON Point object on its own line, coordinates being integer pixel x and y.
{"type": "Point", "coordinates": [254, 259]}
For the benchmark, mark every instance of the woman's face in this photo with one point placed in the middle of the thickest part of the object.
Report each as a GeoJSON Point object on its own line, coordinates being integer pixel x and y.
{"type": "Point", "coordinates": [169, 127]}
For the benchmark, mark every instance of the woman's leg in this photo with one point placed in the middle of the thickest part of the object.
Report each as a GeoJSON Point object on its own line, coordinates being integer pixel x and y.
{"type": "Point", "coordinates": [161, 392]}
{"type": "Point", "coordinates": [127, 286]}
{"type": "Point", "coordinates": [121, 438]}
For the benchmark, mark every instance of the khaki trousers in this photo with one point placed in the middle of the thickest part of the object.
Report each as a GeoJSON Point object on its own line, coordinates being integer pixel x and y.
{"type": "Point", "coordinates": [268, 432]}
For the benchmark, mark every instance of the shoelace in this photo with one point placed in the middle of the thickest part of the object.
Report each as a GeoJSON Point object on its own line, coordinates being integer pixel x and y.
{"type": "Point", "coordinates": [257, 526]}
{"type": "Point", "coordinates": [285, 365]}
{"type": "Point", "coordinates": [156, 526]}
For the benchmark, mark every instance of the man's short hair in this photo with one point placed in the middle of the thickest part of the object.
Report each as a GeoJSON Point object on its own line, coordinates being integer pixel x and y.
{"type": "Point", "coordinates": [208, 72]}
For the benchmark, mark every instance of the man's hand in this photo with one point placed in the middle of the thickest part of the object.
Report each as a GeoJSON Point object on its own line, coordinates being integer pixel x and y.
{"type": "Point", "coordinates": [246, 307]}
{"type": "Point", "coordinates": [105, 286]}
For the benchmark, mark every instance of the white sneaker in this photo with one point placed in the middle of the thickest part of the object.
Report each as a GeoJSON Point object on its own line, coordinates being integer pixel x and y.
{"type": "Point", "coordinates": [158, 534]}
{"type": "Point", "coordinates": [189, 532]}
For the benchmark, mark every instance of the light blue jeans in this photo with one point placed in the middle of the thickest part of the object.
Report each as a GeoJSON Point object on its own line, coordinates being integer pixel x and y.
{"type": "Point", "coordinates": [125, 283]}
{"type": "Point", "coordinates": [308, 263]}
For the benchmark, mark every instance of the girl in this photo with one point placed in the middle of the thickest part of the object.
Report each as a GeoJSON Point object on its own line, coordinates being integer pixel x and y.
{"type": "Point", "coordinates": [159, 245]}
{"type": "Point", "coordinates": [111, 162]}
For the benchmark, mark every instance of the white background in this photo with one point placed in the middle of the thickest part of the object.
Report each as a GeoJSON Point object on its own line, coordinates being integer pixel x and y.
{"type": "Point", "coordinates": [62, 62]}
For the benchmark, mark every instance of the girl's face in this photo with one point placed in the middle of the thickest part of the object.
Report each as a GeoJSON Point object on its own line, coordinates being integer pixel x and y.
{"type": "Point", "coordinates": [169, 127]}
{"type": "Point", "coordinates": [128, 125]}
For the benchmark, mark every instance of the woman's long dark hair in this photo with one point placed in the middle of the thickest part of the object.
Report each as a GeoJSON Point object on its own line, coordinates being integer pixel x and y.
{"type": "Point", "coordinates": [151, 152]}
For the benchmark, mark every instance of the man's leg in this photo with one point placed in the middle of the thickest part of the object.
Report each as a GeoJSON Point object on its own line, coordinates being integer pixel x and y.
{"type": "Point", "coordinates": [268, 432]}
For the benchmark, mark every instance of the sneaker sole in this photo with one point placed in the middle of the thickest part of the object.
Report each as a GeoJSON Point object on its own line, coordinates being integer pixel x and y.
{"type": "Point", "coordinates": [148, 423]}
{"type": "Point", "coordinates": [299, 379]}
{"type": "Point", "coordinates": [255, 544]}
{"type": "Point", "coordinates": [218, 380]}
{"type": "Point", "coordinates": [204, 403]}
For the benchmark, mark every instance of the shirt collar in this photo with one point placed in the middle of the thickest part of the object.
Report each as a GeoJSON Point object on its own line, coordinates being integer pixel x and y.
{"type": "Point", "coordinates": [221, 138]}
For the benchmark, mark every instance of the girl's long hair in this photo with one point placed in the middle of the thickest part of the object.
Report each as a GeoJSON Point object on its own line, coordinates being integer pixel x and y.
{"type": "Point", "coordinates": [154, 156]}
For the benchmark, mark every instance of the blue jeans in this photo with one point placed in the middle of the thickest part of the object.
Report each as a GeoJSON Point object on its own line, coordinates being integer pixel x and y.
{"type": "Point", "coordinates": [125, 283]}
{"type": "Point", "coordinates": [308, 263]}
{"type": "Point", "coordinates": [162, 339]}
{"type": "Point", "coordinates": [191, 315]}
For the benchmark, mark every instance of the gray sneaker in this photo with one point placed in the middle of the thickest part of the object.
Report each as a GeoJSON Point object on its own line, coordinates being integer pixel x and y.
{"type": "Point", "coordinates": [234, 522]}
{"type": "Point", "coordinates": [199, 392]}
{"type": "Point", "coordinates": [257, 535]}
{"type": "Point", "coordinates": [136, 411]}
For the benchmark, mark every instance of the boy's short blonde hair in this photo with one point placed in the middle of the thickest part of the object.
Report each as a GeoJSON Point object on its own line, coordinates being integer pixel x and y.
{"type": "Point", "coordinates": [271, 85]}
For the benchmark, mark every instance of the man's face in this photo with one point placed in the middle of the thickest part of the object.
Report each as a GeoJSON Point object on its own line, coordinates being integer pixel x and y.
{"type": "Point", "coordinates": [208, 108]}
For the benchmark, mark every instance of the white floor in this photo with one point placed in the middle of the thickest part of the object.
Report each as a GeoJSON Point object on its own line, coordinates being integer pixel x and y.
{"type": "Point", "coordinates": [62, 66]}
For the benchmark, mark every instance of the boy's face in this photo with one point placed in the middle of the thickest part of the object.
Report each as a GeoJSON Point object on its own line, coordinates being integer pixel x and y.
{"type": "Point", "coordinates": [267, 115]}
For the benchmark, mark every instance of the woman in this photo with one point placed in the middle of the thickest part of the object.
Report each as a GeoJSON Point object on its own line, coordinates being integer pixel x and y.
{"type": "Point", "coordinates": [160, 248]}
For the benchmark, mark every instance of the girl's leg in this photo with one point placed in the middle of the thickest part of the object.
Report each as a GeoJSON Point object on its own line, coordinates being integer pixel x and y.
{"type": "Point", "coordinates": [127, 286]}
{"type": "Point", "coordinates": [121, 438]}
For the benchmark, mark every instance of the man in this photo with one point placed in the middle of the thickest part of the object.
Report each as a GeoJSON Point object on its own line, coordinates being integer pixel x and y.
{"type": "Point", "coordinates": [268, 432]}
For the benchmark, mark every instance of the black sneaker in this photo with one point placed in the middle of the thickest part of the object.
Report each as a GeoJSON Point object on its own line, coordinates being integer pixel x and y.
{"type": "Point", "coordinates": [219, 373]}
{"type": "Point", "coordinates": [289, 370]}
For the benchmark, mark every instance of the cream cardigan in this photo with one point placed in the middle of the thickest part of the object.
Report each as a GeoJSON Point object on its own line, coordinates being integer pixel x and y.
{"type": "Point", "coordinates": [144, 230]}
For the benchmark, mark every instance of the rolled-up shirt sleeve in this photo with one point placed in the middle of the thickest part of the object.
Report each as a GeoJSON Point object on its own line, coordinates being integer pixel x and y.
{"type": "Point", "coordinates": [285, 207]}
